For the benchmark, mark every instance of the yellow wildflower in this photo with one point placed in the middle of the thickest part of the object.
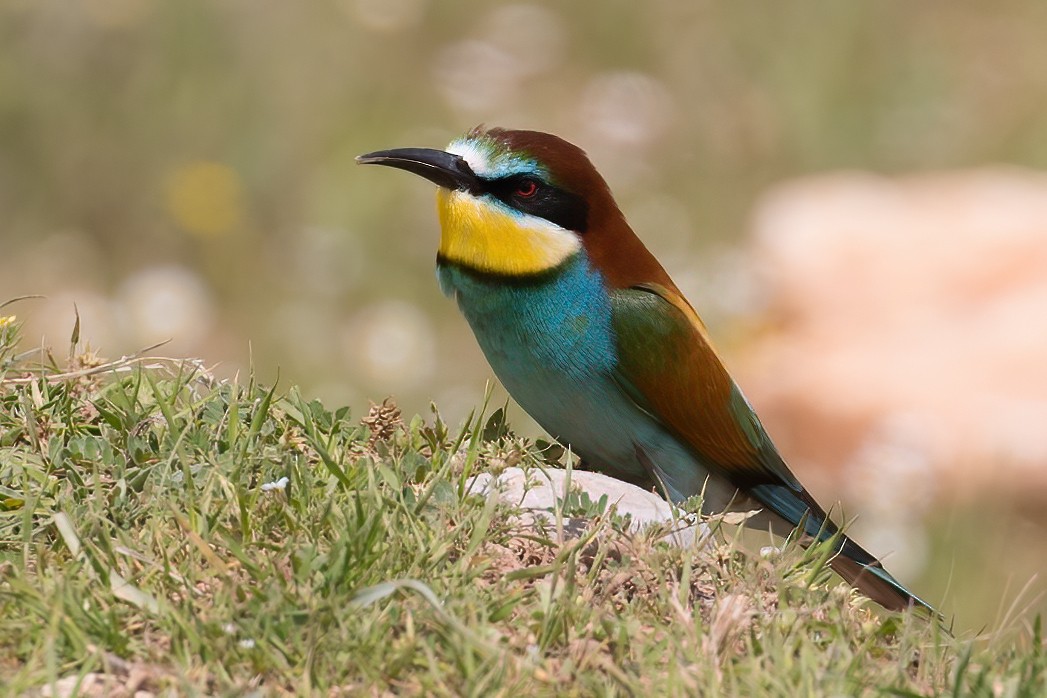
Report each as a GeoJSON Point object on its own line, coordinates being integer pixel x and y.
{"type": "Point", "coordinates": [205, 198]}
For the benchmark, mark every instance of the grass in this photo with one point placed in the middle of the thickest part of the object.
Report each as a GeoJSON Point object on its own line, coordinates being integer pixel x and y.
{"type": "Point", "coordinates": [162, 531]}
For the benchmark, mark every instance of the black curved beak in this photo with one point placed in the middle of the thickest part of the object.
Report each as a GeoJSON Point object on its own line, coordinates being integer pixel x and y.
{"type": "Point", "coordinates": [444, 169]}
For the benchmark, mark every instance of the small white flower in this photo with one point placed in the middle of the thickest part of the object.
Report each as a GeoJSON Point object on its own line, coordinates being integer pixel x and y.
{"type": "Point", "coordinates": [280, 484]}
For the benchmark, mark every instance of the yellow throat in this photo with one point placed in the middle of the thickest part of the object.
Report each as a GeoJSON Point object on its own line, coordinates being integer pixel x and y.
{"type": "Point", "coordinates": [481, 235]}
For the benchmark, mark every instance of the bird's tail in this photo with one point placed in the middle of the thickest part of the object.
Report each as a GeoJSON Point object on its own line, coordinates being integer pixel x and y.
{"type": "Point", "coordinates": [852, 562]}
{"type": "Point", "coordinates": [864, 572]}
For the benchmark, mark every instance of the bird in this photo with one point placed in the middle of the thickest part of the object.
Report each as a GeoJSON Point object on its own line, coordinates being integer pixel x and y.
{"type": "Point", "coordinates": [590, 336]}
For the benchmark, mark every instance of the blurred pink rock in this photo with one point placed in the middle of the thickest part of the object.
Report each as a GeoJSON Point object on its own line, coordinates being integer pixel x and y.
{"type": "Point", "coordinates": [907, 315]}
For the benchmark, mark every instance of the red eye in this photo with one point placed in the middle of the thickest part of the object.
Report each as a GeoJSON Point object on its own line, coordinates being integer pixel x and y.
{"type": "Point", "coordinates": [526, 188]}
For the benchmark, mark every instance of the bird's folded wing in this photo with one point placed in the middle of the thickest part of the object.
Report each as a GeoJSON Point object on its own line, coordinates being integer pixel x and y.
{"type": "Point", "coordinates": [668, 366]}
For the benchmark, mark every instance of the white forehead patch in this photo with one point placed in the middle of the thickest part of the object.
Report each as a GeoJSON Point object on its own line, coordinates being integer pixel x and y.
{"type": "Point", "coordinates": [479, 158]}
{"type": "Point", "coordinates": [490, 160]}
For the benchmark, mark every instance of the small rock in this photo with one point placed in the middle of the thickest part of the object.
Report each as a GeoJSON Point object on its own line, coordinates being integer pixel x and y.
{"type": "Point", "coordinates": [535, 490]}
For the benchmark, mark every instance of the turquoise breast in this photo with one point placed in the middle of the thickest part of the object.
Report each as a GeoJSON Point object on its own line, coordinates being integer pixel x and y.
{"type": "Point", "coordinates": [551, 342]}
{"type": "Point", "coordinates": [558, 324]}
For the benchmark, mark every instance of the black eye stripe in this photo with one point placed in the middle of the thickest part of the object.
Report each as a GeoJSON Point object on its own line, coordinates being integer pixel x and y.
{"type": "Point", "coordinates": [567, 210]}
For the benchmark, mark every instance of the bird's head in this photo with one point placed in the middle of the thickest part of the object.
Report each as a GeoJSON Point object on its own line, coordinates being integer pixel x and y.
{"type": "Point", "coordinates": [520, 203]}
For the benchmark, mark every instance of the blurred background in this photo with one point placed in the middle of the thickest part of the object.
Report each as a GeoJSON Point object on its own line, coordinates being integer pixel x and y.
{"type": "Point", "coordinates": [851, 194]}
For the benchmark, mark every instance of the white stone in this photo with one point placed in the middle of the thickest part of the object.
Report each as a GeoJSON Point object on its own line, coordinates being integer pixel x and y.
{"type": "Point", "coordinates": [536, 490]}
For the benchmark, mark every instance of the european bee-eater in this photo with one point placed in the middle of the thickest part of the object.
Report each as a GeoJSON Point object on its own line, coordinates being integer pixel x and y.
{"type": "Point", "coordinates": [592, 338]}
